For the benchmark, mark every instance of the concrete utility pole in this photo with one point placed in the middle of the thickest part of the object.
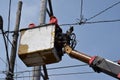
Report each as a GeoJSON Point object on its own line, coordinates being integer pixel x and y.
{"type": "Point", "coordinates": [10, 72]}
{"type": "Point", "coordinates": [43, 7]}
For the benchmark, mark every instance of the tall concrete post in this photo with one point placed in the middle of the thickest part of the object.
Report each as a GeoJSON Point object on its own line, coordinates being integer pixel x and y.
{"type": "Point", "coordinates": [10, 72]}
{"type": "Point", "coordinates": [43, 7]}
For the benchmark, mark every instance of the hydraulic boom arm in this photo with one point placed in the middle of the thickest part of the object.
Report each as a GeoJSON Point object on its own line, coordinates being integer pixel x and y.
{"type": "Point", "coordinates": [99, 64]}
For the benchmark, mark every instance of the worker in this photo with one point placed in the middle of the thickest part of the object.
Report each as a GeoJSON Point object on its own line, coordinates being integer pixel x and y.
{"type": "Point", "coordinates": [58, 35]}
{"type": "Point", "coordinates": [31, 25]}
{"type": "Point", "coordinates": [53, 20]}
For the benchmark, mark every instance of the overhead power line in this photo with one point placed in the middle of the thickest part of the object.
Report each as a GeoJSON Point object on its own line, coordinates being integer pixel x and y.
{"type": "Point", "coordinates": [63, 67]}
{"type": "Point", "coordinates": [64, 74]}
{"type": "Point", "coordinates": [69, 24]}
{"type": "Point", "coordinates": [78, 23]}
{"type": "Point", "coordinates": [7, 54]}
{"type": "Point", "coordinates": [92, 22]}
{"type": "Point", "coordinates": [61, 74]}
{"type": "Point", "coordinates": [50, 7]}
{"type": "Point", "coordinates": [106, 21]}
{"type": "Point", "coordinates": [103, 11]}
{"type": "Point", "coordinates": [3, 60]}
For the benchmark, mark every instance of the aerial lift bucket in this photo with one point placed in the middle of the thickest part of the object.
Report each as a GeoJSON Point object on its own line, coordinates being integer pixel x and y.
{"type": "Point", "coordinates": [37, 45]}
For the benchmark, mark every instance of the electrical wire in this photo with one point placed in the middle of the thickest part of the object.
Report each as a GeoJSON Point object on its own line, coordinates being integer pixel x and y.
{"type": "Point", "coordinates": [2, 60]}
{"type": "Point", "coordinates": [7, 54]}
{"type": "Point", "coordinates": [9, 15]}
{"type": "Point", "coordinates": [49, 14]}
{"type": "Point", "coordinates": [30, 76]}
{"type": "Point", "coordinates": [9, 40]}
{"type": "Point", "coordinates": [78, 23]}
{"type": "Point", "coordinates": [63, 67]}
{"type": "Point", "coordinates": [64, 74]}
{"type": "Point", "coordinates": [69, 24]}
{"type": "Point", "coordinates": [103, 11]}
{"type": "Point", "coordinates": [73, 41]}
{"type": "Point", "coordinates": [92, 22]}
{"type": "Point", "coordinates": [50, 7]}
{"type": "Point", "coordinates": [105, 21]}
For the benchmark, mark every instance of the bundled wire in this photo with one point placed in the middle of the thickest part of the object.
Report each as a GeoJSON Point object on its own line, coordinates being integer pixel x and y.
{"type": "Point", "coordinates": [72, 36]}
{"type": "Point", "coordinates": [73, 41]}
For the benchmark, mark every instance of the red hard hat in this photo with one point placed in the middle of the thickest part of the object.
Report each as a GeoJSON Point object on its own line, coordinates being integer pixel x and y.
{"type": "Point", "coordinates": [31, 25]}
{"type": "Point", "coordinates": [53, 19]}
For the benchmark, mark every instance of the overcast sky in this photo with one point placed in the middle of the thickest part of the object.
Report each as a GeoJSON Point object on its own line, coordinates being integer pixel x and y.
{"type": "Point", "coordinates": [101, 39]}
